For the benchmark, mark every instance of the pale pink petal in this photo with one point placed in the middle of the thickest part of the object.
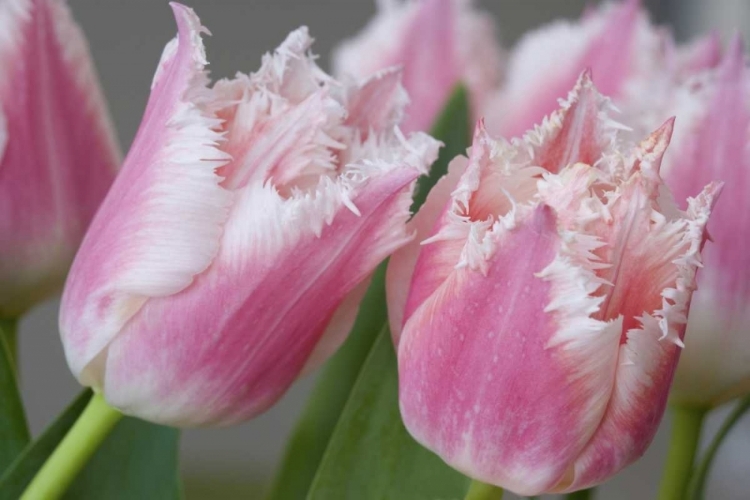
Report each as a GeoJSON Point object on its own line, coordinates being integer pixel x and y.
{"type": "Point", "coordinates": [699, 55]}
{"type": "Point", "coordinates": [437, 43]}
{"type": "Point", "coordinates": [261, 317]}
{"type": "Point", "coordinates": [401, 264]}
{"type": "Point", "coordinates": [714, 145]}
{"type": "Point", "coordinates": [658, 280]}
{"type": "Point", "coordinates": [161, 223]}
{"type": "Point", "coordinates": [58, 153]}
{"type": "Point", "coordinates": [378, 103]}
{"type": "Point", "coordinates": [546, 63]}
{"type": "Point", "coordinates": [488, 397]}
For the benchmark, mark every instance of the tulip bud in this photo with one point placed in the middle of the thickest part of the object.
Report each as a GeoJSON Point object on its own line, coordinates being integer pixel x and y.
{"type": "Point", "coordinates": [234, 247]}
{"type": "Point", "coordinates": [437, 42]}
{"type": "Point", "coordinates": [540, 321]}
{"type": "Point", "coordinates": [58, 155]}
{"type": "Point", "coordinates": [713, 142]}
{"type": "Point", "coordinates": [630, 59]}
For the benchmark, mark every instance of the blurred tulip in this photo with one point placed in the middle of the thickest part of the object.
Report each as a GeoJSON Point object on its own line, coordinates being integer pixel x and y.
{"type": "Point", "coordinates": [631, 61]}
{"type": "Point", "coordinates": [714, 143]}
{"type": "Point", "coordinates": [437, 42]}
{"type": "Point", "coordinates": [540, 321]}
{"type": "Point", "coordinates": [235, 245]}
{"type": "Point", "coordinates": [58, 155]}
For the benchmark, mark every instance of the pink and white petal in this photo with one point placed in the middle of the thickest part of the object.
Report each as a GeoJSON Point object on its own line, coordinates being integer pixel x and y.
{"type": "Point", "coordinates": [430, 61]}
{"type": "Point", "coordinates": [716, 148]}
{"type": "Point", "coordinates": [553, 57]}
{"type": "Point", "coordinates": [702, 54]}
{"type": "Point", "coordinates": [715, 364]}
{"type": "Point", "coordinates": [651, 292]}
{"type": "Point", "coordinates": [261, 317]}
{"type": "Point", "coordinates": [489, 400]}
{"type": "Point", "coordinates": [582, 131]}
{"type": "Point", "coordinates": [399, 275]}
{"type": "Point", "coordinates": [377, 103]}
{"type": "Point", "coordinates": [59, 155]}
{"type": "Point", "coordinates": [637, 403]}
{"type": "Point", "coordinates": [161, 223]}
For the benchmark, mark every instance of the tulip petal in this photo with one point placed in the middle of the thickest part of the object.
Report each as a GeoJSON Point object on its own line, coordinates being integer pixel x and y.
{"type": "Point", "coordinates": [161, 224]}
{"type": "Point", "coordinates": [547, 62]}
{"type": "Point", "coordinates": [264, 315]}
{"type": "Point", "coordinates": [714, 145]}
{"type": "Point", "coordinates": [402, 263]}
{"type": "Point", "coordinates": [59, 155]}
{"type": "Point", "coordinates": [664, 256]}
{"type": "Point", "coordinates": [460, 390]}
{"type": "Point", "coordinates": [437, 43]}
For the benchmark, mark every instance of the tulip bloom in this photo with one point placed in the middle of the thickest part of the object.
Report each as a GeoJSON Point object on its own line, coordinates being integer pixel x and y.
{"type": "Point", "coordinates": [713, 142]}
{"type": "Point", "coordinates": [437, 42]}
{"type": "Point", "coordinates": [236, 243]}
{"type": "Point", "coordinates": [630, 59]}
{"type": "Point", "coordinates": [58, 155]}
{"type": "Point", "coordinates": [540, 321]}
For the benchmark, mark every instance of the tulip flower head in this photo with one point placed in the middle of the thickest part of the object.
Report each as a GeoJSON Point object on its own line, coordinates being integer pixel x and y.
{"type": "Point", "coordinates": [631, 60]}
{"type": "Point", "coordinates": [437, 42]}
{"type": "Point", "coordinates": [541, 311]}
{"type": "Point", "coordinates": [713, 143]}
{"type": "Point", "coordinates": [234, 247]}
{"type": "Point", "coordinates": [58, 155]}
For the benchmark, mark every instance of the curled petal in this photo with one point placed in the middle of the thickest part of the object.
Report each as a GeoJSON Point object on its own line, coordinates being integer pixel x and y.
{"type": "Point", "coordinates": [167, 201]}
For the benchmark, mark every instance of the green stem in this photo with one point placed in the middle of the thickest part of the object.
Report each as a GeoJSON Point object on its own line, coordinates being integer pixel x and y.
{"type": "Point", "coordinates": [483, 491]}
{"type": "Point", "coordinates": [9, 327]}
{"type": "Point", "coordinates": [697, 483]}
{"type": "Point", "coordinates": [74, 451]}
{"type": "Point", "coordinates": [686, 432]}
{"type": "Point", "coordinates": [586, 494]}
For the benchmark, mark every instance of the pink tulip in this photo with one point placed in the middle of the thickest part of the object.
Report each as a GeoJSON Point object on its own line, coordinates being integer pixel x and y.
{"type": "Point", "coordinates": [236, 243]}
{"type": "Point", "coordinates": [713, 141]}
{"type": "Point", "coordinates": [630, 59]}
{"type": "Point", "coordinates": [437, 42]}
{"type": "Point", "coordinates": [58, 155]}
{"type": "Point", "coordinates": [540, 320]}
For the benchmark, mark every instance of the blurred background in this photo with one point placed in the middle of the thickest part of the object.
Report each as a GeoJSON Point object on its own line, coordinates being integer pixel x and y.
{"type": "Point", "coordinates": [127, 37]}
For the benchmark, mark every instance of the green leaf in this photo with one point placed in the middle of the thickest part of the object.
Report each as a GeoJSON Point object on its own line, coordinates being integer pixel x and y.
{"type": "Point", "coordinates": [138, 460]}
{"type": "Point", "coordinates": [14, 433]}
{"type": "Point", "coordinates": [697, 486]}
{"type": "Point", "coordinates": [316, 424]}
{"type": "Point", "coordinates": [453, 128]}
{"type": "Point", "coordinates": [15, 479]}
{"type": "Point", "coordinates": [371, 456]}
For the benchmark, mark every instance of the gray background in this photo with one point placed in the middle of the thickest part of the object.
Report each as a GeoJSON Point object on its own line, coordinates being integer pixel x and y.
{"type": "Point", "coordinates": [127, 38]}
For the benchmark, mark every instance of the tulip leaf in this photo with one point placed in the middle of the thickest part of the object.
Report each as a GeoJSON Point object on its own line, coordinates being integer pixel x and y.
{"type": "Point", "coordinates": [14, 433]}
{"type": "Point", "coordinates": [20, 473]}
{"type": "Point", "coordinates": [453, 128]}
{"type": "Point", "coordinates": [138, 460]}
{"type": "Point", "coordinates": [313, 430]}
{"type": "Point", "coordinates": [371, 456]}
{"type": "Point", "coordinates": [700, 475]}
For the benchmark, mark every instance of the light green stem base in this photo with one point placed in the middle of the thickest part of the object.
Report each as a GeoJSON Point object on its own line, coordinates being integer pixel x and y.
{"type": "Point", "coordinates": [74, 451]}
{"type": "Point", "coordinates": [686, 432]}
{"type": "Point", "coordinates": [587, 494]}
{"type": "Point", "coordinates": [9, 331]}
{"type": "Point", "coordinates": [482, 491]}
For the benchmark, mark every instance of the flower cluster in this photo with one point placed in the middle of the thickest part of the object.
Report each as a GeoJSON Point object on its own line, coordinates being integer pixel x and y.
{"type": "Point", "coordinates": [539, 301]}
